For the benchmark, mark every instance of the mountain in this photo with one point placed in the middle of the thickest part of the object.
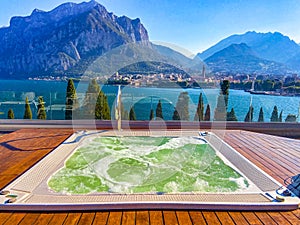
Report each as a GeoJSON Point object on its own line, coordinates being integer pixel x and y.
{"type": "Point", "coordinates": [76, 39]}
{"type": "Point", "coordinates": [184, 62]}
{"type": "Point", "coordinates": [240, 58]}
{"type": "Point", "coordinates": [63, 40]}
{"type": "Point", "coordinates": [271, 46]}
{"type": "Point", "coordinates": [152, 67]}
{"type": "Point", "coordinates": [294, 62]}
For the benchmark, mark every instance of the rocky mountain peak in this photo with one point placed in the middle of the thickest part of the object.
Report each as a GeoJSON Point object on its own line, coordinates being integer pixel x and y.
{"type": "Point", "coordinates": [66, 37]}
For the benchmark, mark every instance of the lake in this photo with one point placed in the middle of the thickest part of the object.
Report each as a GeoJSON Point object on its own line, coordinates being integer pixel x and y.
{"type": "Point", "coordinates": [14, 92]}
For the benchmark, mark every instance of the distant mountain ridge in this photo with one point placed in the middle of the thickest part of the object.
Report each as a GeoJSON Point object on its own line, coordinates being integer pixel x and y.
{"type": "Point", "coordinates": [273, 47]}
{"type": "Point", "coordinates": [240, 58]}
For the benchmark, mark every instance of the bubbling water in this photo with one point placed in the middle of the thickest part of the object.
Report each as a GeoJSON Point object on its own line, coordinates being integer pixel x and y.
{"type": "Point", "coordinates": [145, 164]}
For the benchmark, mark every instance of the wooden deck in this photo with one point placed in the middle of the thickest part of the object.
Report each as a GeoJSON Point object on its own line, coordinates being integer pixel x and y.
{"type": "Point", "coordinates": [279, 157]}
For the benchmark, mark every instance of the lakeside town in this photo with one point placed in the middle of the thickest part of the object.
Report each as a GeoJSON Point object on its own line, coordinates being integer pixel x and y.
{"type": "Point", "coordinates": [285, 85]}
{"type": "Point", "coordinates": [264, 84]}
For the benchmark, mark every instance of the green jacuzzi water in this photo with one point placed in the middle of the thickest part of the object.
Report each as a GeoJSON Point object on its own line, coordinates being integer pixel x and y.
{"type": "Point", "coordinates": [145, 164]}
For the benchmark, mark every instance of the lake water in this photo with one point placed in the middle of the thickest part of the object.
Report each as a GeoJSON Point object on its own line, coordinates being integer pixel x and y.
{"type": "Point", "coordinates": [13, 94]}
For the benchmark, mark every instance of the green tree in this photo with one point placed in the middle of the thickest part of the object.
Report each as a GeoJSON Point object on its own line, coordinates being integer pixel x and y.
{"type": "Point", "coordinates": [291, 118]}
{"type": "Point", "coordinates": [176, 115]}
{"type": "Point", "coordinates": [102, 111]}
{"type": "Point", "coordinates": [151, 117]}
{"type": "Point", "coordinates": [41, 113]}
{"type": "Point", "coordinates": [261, 115]}
{"type": "Point", "coordinates": [274, 116]}
{"type": "Point", "coordinates": [268, 85]}
{"type": "Point", "coordinates": [231, 116]}
{"type": "Point", "coordinates": [182, 106]}
{"type": "Point", "coordinates": [249, 116]}
{"type": "Point", "coordinates": [132, 114]}
{"type": "Point", "coordinates": [90, 100]}
{"type": "Point", "coordinates": [220, 110]}
{"type": "Point", "coordinates": [222, 103]}
{"type": "Point", "coordinates": [280, 117]}
{"type": "Point", "coordinates": [159, 113]}
{"type": "Point", "coordinates": [207, 113]}
{"type": "Point", "coordinates": [199, 115]}
{"type": "Point", "coordinates": [225, 85]}
{"type": "Point", "coordinates": [27, 113]}
{"type": "Point", "coordinates": [71, 100]}
{"type": "Point", "coordinates": [10, 114]}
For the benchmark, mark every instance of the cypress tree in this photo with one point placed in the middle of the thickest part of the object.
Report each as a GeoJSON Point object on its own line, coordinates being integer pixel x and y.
{"type": "Point", "coordinates": [102, 111]}
{"type": "Point", "coordinates": [207, 113]}
{"type": "Point", "coordinates": [27, 113]}
{"type": "Point", "coordinates": [261, 115]}
{"type": "Point", "coordinates": [249, 116]}
{"type": "Point", "coordinates": [159, 113]}
{"type": "Point", "coordinates": [132, 114]}
{"type": "Point", "coordinates": [199, 115]}
{"type": "Point", "coordinates": [280, 117]}
{"type": "Point", "coordinates": [71, 100]}
{"type": "Point", "coordinates": [41, 113]}
{"type": "Point", "coordinates": [176, 115]}
{"type": "Point", "coordinates": [90, 100]}
{"type": "Point", "coordinates": [10, 114]}
{"type": "Point", "coordinates": [182, 106]}
{"type": "Point", "coordinates": [274, 116]}
{"type": "Point", "coordinates": [225, 85]}
{"type": "Point", "coordinates": [291, 118]}
{"type": "Point", "coordinates": [231, 116]}
{"type": "Point", "coordinates": [151, 117]}
{"type": "Point", "coordinates": [220, 110]}
{"type": "Point", "coordinates": [222, 103]}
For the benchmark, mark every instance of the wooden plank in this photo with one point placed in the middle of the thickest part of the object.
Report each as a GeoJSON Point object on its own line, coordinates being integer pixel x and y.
{"type": "Point", "coordinates": [15, 219]}
{"type": "Point", "coordinates": [4, 216]}
{"type": "Point", "coordinates": [262, 160]}
{"type": "Point", "coordinates": [211, 218]}
{"type": "Point", "coordinates": [297, 213]}
{"type": "Point", "coordinates": [265, 218]}
{"type": "Point", "coordinates": [142, 218]}
{"type": "Point", "coordinates": [183, 218]}
{"type": "Point", "coordinates": [101, 218]}
{"type": "Point", "coordinates": [292, 217]}
{"type": "Point", "coordinates": [30, 218]}
{"type": "Point", "coordinates": [21, 149]}
{"type": "Point", "coordinates": [170, 218]}
{"type": "Point", "coordinates": [128, 218]}
{"type": "Point", "coordinates": [238, 218]}
{"type": "Point", "coordinates": [86, 218]}
{"type": "Point", "coordinates": [273, 147]}
{"type": "Point", "coordinates": [251, 218]}
{"type": "Point", "coordinates": [6, 179]}
{"type": "Point", "coordinates": [58, 218]}
{"type": "Point", "coordinates": [72, 218]}
{"type": "Point", "coordinates": [44, 218]}
{"type": "Point", "coordinates": [197, 218]}
{"type": "Point", "coordinates": [224, 218]}
{"type": "Point", "coordinates": [278, 218]}
{"type": "Point", "coordinates": [156, 217]}
{"type": "Point", "coordinates": [114, 218]}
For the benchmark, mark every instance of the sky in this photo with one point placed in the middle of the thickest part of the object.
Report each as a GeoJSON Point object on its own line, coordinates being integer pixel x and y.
{"type": "Point", "coordinates": [191, 25]}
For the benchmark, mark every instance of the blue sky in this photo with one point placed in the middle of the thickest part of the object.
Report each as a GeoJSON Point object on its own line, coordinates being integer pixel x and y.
{"type": "Point", "coordinates": [194, 25]}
